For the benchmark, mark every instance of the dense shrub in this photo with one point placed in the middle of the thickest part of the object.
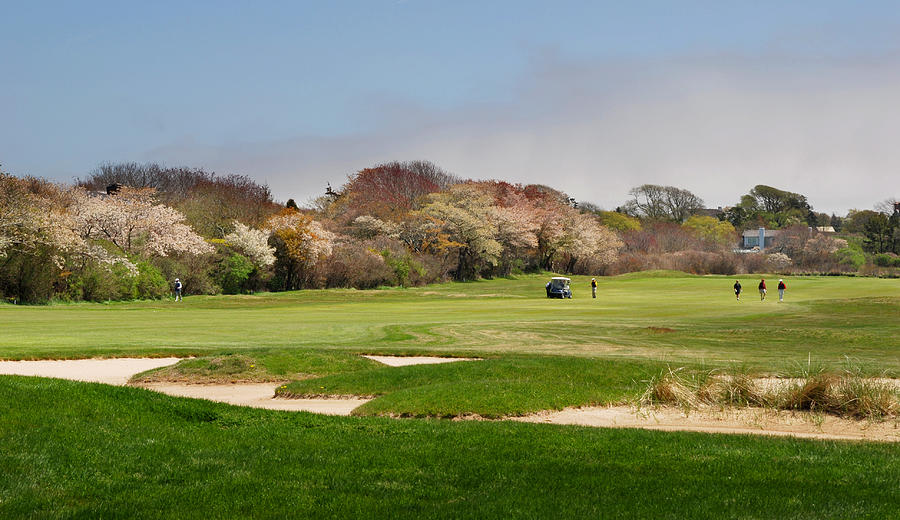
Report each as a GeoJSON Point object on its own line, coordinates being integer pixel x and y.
{"type": "Point", "coordinates": [233, 273]}
{"type": "Point", "coordinates": [98, 283]}
{"type": "Point", "coordinates": [851, 256]}
{"type": "Point", "coordinates": [29, 277]}
{"type": "Point", "coordinates": [886, 260]}
{"type": "Point", "coordinates": [356, 264]}
{"type": "Point", "coordinates": [150, 284]}
{"type": "Point", "coordinates": [195, 272]}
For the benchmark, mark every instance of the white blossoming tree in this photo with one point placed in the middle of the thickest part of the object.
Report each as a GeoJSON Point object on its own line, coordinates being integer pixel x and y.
{"type": "Point", "coordinates": [253, 243]}
{"type": "Point", "coordinates": [131, 220]}
{"type": "Point", "coordinates": [469, 218]}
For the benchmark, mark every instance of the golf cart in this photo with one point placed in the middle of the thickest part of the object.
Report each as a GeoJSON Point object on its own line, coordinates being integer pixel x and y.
{"type": "Point", "coordinates": [558, 287]}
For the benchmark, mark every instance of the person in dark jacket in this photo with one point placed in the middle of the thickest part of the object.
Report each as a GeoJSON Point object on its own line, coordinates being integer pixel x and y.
{"type": "Point", "coordinates": [781, 288]}
{"type": "Point", "coordinates": [737, 290]}
{"type": "Point", "coordinates": [762, 289]}
{"type": "Point", "coordinates": [593, 287]}
{"type": "Point", "coordinates": [178, 288]}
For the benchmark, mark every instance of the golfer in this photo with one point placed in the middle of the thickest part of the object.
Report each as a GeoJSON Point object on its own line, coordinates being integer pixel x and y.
{"type": "Point", "coordinates": [593, 287]}
{"type": "Point", "coordinates": [762, 289]}
{"type": "Point", "coordinates": [781, 288]}
{"type": "Point", "coordinates": [178, 287]}
{"type": "Point", "coordinates": [737, 290]}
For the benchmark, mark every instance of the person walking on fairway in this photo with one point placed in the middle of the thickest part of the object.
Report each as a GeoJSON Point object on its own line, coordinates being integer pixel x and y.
{"type": "Point", "coordinates": [593, 287]}
{"type": "Point", "coordinates": [737, 290]}
{"type": "Point", "coordinates": [762, 289]}
{"type": "Point", "coordinates": [781, 288]}
{"type": "Point", "coordinates": [178, 287]}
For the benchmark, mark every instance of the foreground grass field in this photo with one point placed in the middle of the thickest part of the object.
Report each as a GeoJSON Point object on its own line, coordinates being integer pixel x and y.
{"type": "Point", "coordinates": [79, 450]}
{"type": "Point", "coordinates": [108, 452]}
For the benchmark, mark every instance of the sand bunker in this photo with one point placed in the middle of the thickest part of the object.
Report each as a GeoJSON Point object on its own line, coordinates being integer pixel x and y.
{"type": "Point", "coordinates": [256, 395]}
{"type": "Point", "coordinates": [738, 420]}
{"type": "Point", "coordinates": [118, 371]}
{"type": "Point", "coordinates": [113, 371]}
{"type": "Point", "coordinates": [402, 361]}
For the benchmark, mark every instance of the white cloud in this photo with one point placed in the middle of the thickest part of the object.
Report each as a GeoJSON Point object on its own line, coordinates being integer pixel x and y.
{"type": "Point", "coordinates": [714, 125]}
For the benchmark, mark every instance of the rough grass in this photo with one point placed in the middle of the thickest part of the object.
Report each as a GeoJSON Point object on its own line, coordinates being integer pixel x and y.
{"type": "Point", "coordinates": [845, 394]}
{"type": "Point", "coordinates": [113, 452]}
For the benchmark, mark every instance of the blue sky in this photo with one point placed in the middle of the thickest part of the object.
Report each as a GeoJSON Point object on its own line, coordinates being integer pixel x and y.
{"type": "Point", "coordinates": [589, 97]}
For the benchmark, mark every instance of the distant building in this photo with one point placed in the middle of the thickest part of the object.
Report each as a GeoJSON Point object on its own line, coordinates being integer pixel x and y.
{"type": "Point", "coordinates": [751, 238]}
{"type": "Point", "coordinates": [826, 229]}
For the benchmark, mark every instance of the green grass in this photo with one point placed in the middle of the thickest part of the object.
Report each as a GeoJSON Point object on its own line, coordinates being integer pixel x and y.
{"type": "Point", "coordinates": [540, 353]}
{"type": "Point", "coordinates": [78, 450]}
{"type": "Point", "coordinates": [112, 452]}
{"type": "Point", "coordinates": [827, 317]}
{"type": "Point", "coordinates": [511, 385]}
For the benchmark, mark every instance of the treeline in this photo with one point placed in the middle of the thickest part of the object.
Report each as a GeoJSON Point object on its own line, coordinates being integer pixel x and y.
{"type": "Point", "coordinates": [127, 230]}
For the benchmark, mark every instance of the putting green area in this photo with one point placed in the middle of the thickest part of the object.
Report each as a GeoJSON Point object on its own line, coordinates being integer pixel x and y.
{"type": "Point", "coordinates": [657, 315]}
{"type": "Point", "coordinates": [89, 450]}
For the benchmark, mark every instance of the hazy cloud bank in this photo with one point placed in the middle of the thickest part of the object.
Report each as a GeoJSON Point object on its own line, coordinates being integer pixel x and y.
{"type": "Point", "coordinates": [714, 125]}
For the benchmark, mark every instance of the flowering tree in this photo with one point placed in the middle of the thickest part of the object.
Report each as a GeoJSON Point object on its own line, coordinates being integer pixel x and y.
{"type": "Point", "coordinates": [299, 243]}
{"type": "Point", "coordinates": [585, 238]}
{"type": "Point", "coordinates": [515, 219]}
{"type": "Point", "coordinates": [253, 243]}
{"type": "Point", "coordinates": [31, 217]}
{"type": "Point", "coordinates": [367, 226]}
{"type": "Point", "coordinates": [132, 221]}
{"type": "Point", "coordinates": [778, 262]}
{"type": "Point", "coordinates": [550, 217]}
{"type": "Point", "coordinates": [20, 219]}
{"type": "Point", "coordinates": [470, 220]}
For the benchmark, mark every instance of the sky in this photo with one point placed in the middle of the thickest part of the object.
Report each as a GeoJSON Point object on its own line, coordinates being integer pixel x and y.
{"type": "Point", "coordinates": [592, 98]}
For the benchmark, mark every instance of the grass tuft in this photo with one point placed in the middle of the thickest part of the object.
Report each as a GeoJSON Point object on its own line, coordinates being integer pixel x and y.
{"type": "Point", "coordinates": [734, 390]}
{"type": "Point", "coordinates": [845, 394]}
{"type": "Point", "coordinates": [678, 387]}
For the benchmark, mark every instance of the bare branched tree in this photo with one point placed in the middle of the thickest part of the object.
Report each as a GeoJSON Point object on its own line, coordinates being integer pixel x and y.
{"type": "Point", "coordinates": [655, 202]}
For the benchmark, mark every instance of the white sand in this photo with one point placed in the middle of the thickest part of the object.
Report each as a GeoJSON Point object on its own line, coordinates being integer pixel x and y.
{"type": "Point", "coordinates": [113, 371]}
{"type": "Point", "coordinates": [742, 420]}
{"type": "Point", "coordinates": [117, 371]}
{"type": "Point", "coordinates": [256, 395]}
{"type": "Point", "coordinates": [402, 361]}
